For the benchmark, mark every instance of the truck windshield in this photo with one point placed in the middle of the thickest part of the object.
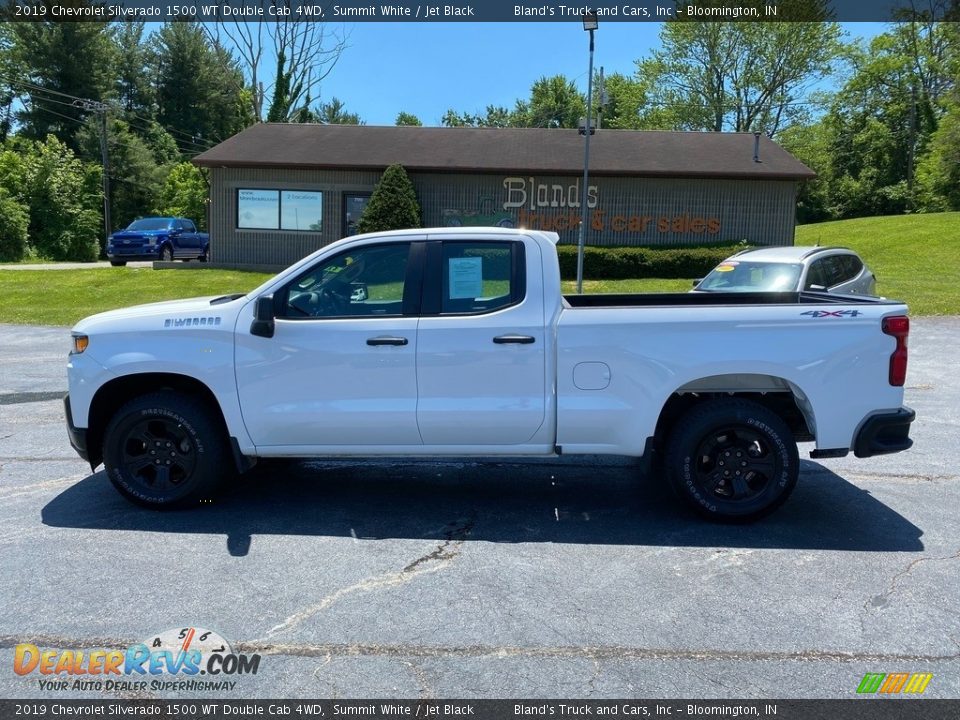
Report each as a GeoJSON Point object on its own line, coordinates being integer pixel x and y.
{"type": "Point", "coordinates": [740, 276]}
{"type": "Point", "coordinates": [150, 224]}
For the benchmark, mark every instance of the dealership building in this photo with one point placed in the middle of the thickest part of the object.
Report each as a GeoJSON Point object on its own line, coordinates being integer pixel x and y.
{"type": "Point", "coordinates": [280, 191]}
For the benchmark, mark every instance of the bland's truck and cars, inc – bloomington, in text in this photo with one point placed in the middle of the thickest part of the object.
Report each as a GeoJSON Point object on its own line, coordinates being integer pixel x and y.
{"type": "Point", "coordinates": [458, 342]}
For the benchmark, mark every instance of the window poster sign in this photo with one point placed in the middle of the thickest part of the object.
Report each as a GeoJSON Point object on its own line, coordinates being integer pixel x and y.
{"type": "Point", "coordinates": [466, 278]}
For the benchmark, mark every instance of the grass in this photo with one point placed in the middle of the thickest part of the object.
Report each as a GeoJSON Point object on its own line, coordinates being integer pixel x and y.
{"type": "Point", "coordinates": [62, 297]}
{"type": "Point", "coordinates": [647, 285]}
{"type": "Point", "coordinates": [916, 259]}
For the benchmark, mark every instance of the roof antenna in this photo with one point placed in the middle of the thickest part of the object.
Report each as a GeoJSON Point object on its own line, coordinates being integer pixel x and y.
{"type": "Point", "coordinates": [756, 147]}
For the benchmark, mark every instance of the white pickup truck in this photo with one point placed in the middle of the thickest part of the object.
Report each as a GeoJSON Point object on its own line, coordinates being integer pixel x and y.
{"type": "Point", "coordinates": [458, 342]}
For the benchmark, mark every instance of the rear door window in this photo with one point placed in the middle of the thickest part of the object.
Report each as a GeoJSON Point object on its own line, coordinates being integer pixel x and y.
{"type": "Point", "coordinates": [481, 277]}
{"type": "Point", "coordinates": [852, 265]}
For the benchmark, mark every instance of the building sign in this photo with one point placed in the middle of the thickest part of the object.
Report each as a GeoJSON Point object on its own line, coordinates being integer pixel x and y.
{"type": "Point", "coordinates": [556, 207]}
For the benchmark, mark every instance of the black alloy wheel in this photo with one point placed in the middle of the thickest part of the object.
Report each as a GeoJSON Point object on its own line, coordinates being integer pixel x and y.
{"type": "Point", "coordinates": [166, 450]}
{"type": "Point", "coordinates": [732, 460]}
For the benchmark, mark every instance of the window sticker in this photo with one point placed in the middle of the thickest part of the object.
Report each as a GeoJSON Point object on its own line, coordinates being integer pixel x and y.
{"type": "Point", "coordinates": [258, 209]}
{"type": "Point", "coordinates": [466, 278]}
{"type": "Point", "coordinates": [301, 210]}
{"type": "Point", "coordinates": [727, 267]}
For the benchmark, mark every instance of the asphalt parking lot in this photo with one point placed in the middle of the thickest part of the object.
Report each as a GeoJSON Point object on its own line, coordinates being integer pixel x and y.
{"type": "Point", "coordinates": [567, 578]}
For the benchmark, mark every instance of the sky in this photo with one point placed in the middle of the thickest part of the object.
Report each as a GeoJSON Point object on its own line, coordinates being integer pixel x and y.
{"type": "Point", "coordinates": [427, 68]}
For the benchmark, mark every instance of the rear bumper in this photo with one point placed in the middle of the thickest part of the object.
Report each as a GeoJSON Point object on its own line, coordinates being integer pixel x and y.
{"type": "Point", "coordinates": [78, 436]}
{"type": "Point", "coordinates": [884, 433]}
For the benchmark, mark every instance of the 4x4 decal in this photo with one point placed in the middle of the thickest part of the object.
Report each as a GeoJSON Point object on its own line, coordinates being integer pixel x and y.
{"type": "Point", "coordinates": [832, 313]}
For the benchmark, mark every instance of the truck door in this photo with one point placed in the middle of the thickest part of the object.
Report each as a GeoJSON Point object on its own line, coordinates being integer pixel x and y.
{"type": "Point", "coordinates": [186, 241]}
{"type": "Point", "coordinates": [340, 369]}
{"type": "Point", "coordinates": [481, 372]}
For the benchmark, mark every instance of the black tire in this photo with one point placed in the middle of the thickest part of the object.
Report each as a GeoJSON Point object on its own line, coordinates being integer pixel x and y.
{"type": "Point", "coordinates": [166, 450]}
{"type": "Point", "coordinates": [118, 263]}
{"type": "Point", "coordinates": [202, 258]}
{"type": "Point", "coordinates": [166, 253]}
{"type": "Point", "coordinates": [732, 460]}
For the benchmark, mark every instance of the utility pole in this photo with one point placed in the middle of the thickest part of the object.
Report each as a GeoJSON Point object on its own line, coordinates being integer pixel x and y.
{"type": "Point", "coordinates": [911, 144]}
{"type": "Point", "coordinates": [101, 109]}
{"type": "Point", "coordinates": [590, 25]}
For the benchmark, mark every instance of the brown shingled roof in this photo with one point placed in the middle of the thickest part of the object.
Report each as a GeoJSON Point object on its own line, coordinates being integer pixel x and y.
{"type": "Point", "coordinates": [612, 152]}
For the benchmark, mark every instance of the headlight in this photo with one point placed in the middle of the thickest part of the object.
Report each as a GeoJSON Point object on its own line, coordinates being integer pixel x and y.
{"type": "Point", "coordinates": [80, 343]}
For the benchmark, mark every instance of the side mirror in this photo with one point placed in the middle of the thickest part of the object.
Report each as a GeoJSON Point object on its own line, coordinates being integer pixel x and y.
{"type": "Point", "coordinates": [263, 325]}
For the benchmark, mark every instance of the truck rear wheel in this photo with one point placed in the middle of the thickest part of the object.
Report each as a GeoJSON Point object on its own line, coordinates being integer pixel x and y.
{"type": "Point", "coordinates": [165, 450]}
{"type": "Point", "coordinates": [732, 460]}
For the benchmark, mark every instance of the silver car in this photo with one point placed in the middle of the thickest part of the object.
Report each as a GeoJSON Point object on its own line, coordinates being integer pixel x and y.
{"type": "Point", "coordinates": [791, 269]}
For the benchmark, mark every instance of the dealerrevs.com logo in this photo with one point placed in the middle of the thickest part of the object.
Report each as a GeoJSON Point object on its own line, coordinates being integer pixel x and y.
{"type": "Point", "coordinates": [188, 658]}
{"type": "Point", "coordinates": [894, 683]}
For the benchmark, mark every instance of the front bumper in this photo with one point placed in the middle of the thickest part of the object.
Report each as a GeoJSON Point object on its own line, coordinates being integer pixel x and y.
{"type": "Point", "coordinates": [141, 252]}
{"type": "Point", "coordinates": [884, 433]}
{"type": "Point", "coordinates": [78, 436]}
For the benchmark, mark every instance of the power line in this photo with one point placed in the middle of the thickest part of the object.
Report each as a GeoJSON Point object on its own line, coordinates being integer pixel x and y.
{"type": "Point", "coordinates": [54, 112]}
{"type": "Point", "coordinates": [37, 88]}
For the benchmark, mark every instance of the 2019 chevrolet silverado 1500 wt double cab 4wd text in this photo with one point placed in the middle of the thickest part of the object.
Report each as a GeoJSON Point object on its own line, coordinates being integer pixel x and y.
{"type": "Point", "coordinates": [458, 342]}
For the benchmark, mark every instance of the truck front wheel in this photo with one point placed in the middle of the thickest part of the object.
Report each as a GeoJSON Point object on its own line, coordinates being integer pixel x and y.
{"type": "Point", "coordinates": [732, 460]}
{"type": "Point", "coordinates": [165, 450]}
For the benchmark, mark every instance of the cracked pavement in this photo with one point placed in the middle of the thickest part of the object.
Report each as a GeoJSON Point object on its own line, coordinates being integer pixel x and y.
{"type": "Point", "coordinates": [572, 577]}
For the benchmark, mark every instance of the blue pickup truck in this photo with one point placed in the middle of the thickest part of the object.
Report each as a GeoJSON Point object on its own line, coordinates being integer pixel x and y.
{"type": "Point", "coordinates": [158, 238]}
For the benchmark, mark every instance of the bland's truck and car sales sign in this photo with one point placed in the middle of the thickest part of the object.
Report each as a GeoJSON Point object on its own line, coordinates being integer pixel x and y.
{"type": "Point", "coordinates": [279, 192]}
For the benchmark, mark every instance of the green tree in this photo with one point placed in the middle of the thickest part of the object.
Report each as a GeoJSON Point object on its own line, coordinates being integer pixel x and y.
{"type": "Point", "coordinates": [407, 119]}
{"type": "Point", "coordinates": [185, 194]}
{"type": "Point", "coordinates": [282, 92]}
{"type": "Point", "coordinates": [938, 175]}
{"type": "Point", "coordinates": [62, 195]}
{"type": "Point", "coordinates": [625, 102]}
{"type": "Point", "coordinates": [883, 119]}
{"type": "Point", "coordinates": [393, 204]}
{"type": "Point", "coordinates": [14, 221]}
{"type": "Point", "coordinates": [811, 144]}
{"type": "Point", "coordinates": [200, 89]}
{"type": "Point", "coordinates": [61, 60]}
{"type": "Point", "coordinates": [495, 116]}
{"type": "Point", "coordinates": [554, 102]}
{"type": "Point", "coordinates": [738, 76]}
{"type": "Point", "coordinates": [8, 72]}
{"type": "Point", "coordinates": [334, 113]}
{"type": "Point", "coordinates": [134, 90]}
